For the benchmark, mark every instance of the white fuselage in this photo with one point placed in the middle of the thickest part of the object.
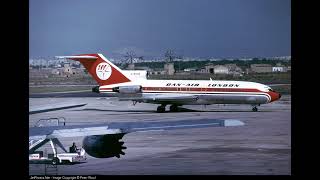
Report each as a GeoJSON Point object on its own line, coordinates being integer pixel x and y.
{"type": "Point", "coordinates": [208, 92]}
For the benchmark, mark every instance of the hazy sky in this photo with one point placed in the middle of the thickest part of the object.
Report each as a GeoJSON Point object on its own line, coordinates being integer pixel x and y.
{"type": "Point", "coordinates": [193, 28]}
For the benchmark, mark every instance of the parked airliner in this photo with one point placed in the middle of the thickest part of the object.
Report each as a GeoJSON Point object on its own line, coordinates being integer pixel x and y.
{"type": "Point", "coordinates": [114, 81]}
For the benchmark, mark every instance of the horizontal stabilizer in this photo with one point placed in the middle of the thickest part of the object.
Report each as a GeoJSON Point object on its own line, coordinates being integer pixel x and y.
{"type": "Point", "coordinates": [77, 57]}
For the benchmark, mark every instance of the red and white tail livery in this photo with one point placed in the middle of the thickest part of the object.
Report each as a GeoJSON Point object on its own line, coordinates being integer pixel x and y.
{"type": "Point", "coordinates": [101, 69]}
{"type": "Point", "coordinates": [113, 81]}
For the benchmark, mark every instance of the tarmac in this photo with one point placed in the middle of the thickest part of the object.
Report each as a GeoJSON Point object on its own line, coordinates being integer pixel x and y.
{"type": "Point", "coordinates": [261, 147]}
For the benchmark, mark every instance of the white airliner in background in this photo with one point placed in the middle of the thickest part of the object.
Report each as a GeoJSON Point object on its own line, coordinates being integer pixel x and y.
{"type": "Point", "coordinates": [128, 86]}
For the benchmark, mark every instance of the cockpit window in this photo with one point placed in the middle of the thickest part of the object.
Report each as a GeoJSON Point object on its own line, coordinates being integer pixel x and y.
{"type": "Point", "coordinates": [270, 89]}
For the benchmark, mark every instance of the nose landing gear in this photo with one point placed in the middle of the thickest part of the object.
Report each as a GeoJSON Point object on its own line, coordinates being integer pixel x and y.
{"type": "Point", "coordinates": [254, 108]}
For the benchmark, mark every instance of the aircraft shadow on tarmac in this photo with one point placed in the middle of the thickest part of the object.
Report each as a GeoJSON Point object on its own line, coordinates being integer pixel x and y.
{"type": "Point", "coordinates": [180, 110]}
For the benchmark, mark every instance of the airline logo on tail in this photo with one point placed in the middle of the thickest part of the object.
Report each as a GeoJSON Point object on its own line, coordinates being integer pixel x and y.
{"type": "Point", "coordinates": [101, 69]}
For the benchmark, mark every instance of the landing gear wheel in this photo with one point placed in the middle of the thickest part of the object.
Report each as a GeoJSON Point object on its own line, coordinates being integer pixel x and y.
{"type": "Point", "coordinates": [173, 108]}
{"type": "Point", "coordinates": [255, 109]}
{"type": "Point", "coordinates": [161, 109]}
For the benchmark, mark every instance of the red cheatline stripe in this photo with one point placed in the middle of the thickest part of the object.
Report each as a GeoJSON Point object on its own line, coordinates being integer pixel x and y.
{"type": "Point", "coordinates": [214, 93]}
{"type": "Point", "coordinates": [200, 89]}
{"type": "Point", "coordinates": [195, 89]}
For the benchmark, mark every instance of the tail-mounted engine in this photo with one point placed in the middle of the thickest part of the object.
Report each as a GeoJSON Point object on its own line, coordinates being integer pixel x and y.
{"type": "Point", "coordinates": [128, 89]}
{"type": "Point", "coordinates": [104, 146]}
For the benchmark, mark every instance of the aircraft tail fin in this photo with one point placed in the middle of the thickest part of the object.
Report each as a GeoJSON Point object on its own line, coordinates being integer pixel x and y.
{"type": "Point", "coordinates": [100, 68]}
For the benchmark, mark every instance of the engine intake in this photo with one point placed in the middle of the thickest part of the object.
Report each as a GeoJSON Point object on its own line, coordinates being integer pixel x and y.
{"type": "Point", "coordinates": [104, 146]}
{"type": "Point", "coordinates": [128, 89]}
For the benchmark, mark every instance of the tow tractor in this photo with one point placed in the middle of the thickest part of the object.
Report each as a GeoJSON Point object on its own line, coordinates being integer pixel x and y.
{"type": "Point", "coordinates": [58, 158]}
{"type": "Point", "coordinates": [54, 158]}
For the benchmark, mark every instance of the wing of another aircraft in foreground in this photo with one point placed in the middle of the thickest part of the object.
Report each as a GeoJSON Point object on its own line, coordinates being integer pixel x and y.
{"type": "Point", "coordinates": [125, 127]}
{"type": "Point", "coordinates": [103, 140]}
{"type": "Point", "coordinates": [54, 107]}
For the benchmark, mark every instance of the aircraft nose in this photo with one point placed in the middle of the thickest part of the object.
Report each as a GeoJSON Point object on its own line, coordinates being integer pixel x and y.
{"type": "Point", "coordinates": [274, 96]}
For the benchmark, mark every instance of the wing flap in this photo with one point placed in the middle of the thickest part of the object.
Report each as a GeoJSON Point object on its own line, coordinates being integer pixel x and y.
{"type": "Point", "coordinates": [78, 132]}
{"type": "Point", "coordinates": [183, 124]}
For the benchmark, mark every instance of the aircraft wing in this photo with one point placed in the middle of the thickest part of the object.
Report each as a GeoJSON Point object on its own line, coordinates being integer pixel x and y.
{"type": "Point", "coordinates": [170, 98]}
{"type": "Point", "coordinates": [54, 107]}
{"type": "Point", "coordinates": [36, 133]}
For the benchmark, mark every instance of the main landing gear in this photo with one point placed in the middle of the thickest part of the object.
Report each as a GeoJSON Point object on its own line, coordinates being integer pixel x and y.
{"type": "Point", "coordinates": [174, 108]}
{"type": "Point", "coordinates": [162, 108]}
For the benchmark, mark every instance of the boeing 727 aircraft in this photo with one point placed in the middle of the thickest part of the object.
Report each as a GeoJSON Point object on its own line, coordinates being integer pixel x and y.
{"type": "Point", "coordinates": [114, 81]}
